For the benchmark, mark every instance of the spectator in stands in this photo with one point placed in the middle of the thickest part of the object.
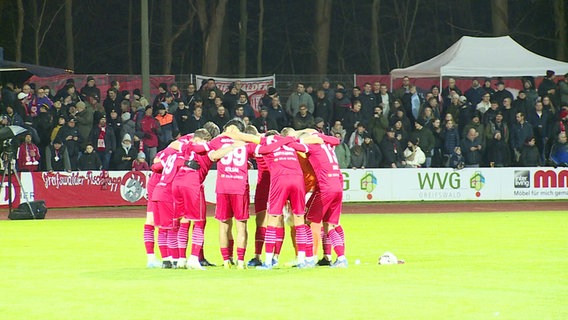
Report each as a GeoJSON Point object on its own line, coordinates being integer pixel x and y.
{"type": "Point", "coordinates": [372, 152]}
{"type": "Point", "coordinates": [57, 158]}
{"type": "Point", "coordinates": [547, 86]}
{"type": "Point", "coordinates": [474, 93]}
{"type": "Point", "coordinates": [176, 93]}
{"type": "Point", "coordinates": [563, 89]}
{"type": "Point", "coordinates": [84, 118]}
{"type": "Point", "coordinates": [61, 93]}
{"type": "Point", "coordinates": [447, 91]}
{"type": "Point", "coordinates": [266, 100]}
{"type": "Point", "coordinates": [310, 91]}
{"type": "Point", "coordinates": [386, 99]}
{"type": "Point", "coordinates": [128, 125]}
{"type": "Point", "coordinates": [508, 111]}
{"type": "Point", "coordinates": [437, 131]}
{"type": "Point", "coordinates": [540, 122]}
{"type": "Point", "coordinates": [497, 125]}
{"type": "Point", "coordinates": [559, 151]}
{"type": "Point", "coordinates": [28, 155]}
{"type": "Point", "coordinates": [43, 123]}
{"type": "Point", "coordinates": [358, 157]}
{"type": "Point", "coordinates": [277, 113]}
{"type": "Point", "coordinates": [124, 155]}
{"type": "Point", "coordinates": [190, 95]}
{"type": "Point", "coordinates": [209, 108]}
{"type": "Point", "coordinates": [342, 152]}
{"type": "Point", "coordinates": [8, 96]}
{"type": "Point", "coordinates": [168, 127]}
{"type": "Point", "coordinates": [323, 107]}
{"type": "Point", "coordinates": [196, 121]}
{"type": "Point", "coordinates": [238, 84]}
{"type": "Point", "coordinates": [456, 159]}
{"type": "Point", "coordinates": [111, 102]}
{"type": "Point", "coordinates": [435, 106]}
{"type": "Point", "coordinates": [423, 135]}
{"type": "Point", "coordinates": [502, 93]}
{"type": "Point", "coordinates": [400, 133]}
{"type": "Point", "coordinates": [466, 112]}
{"type": "Point", "coordinates": [488, 87]}
{"type": "Point", "coordinates": [357, 136]}
{"type": "Point", "coordinates": [321, 126]}
{"type": "Point", "coordinates": [484, 104]}
{"type": "Point", "coordinates": [341, 104]}
{"type": "Point", "coordinates": [171, 103]}
{"type": "Point", "coordinates": [400, 115]}
{"type": "Point", "coordinates": [471, 148]}
{"type": "Point", "coordinates": [378, 124]}
{"type": "Point", "coordinates": [530, 156]}
{"type": "Point", "coordinates": [426, 116]}
{"type": "Point", "coordinates": [89, 159]}
{"type": "Point", "coordinates": [115, 123]}
{"type": "Point", "coordinates": [103, 137]}
{"type": "Point", "coordinates": [298, 98]}
{"type": "Point", "coordinates": [560, 125]}
{"type": "Point", "coordinates": [303, 119]}
{"type": "Point", "coordinates": [368, 100]}
{"type": "Point", "coordinates": [498, 154]}
{"type": "Point", "coordinates": [161, 96]}
{"type": "Point", "coordinates": [522, 104]}
{"type": "Point", "coordinates": [338, 128]}
{"type": "Point", "coordinates": [413, 154]}
{"type": "Point", "coordinates": [454, 108]}
{"type": "Point", "coordinates": [140, 98]}
{"type": "Point", "coordinates": [72, 139]}
{"type": "Point", "coordinates": [530, 91]}
{"type": "Point", "coordinates": [221, 118]}
{"type": "Point", "coordinates": [405, 88]}
{"type": "Point", "coordinates": [355, 94]}
{"type": "Point", "coordinates": [140, 163]}
{"type": "Point", "coordinates": [247, 108]}
{"type": "Point", "coordinates": [182, 115]}
{"type": "Point", "coordinates": [90, 88]}
{"type": "Point", "coordinates": [60, 124]}
{"type": "Point", "coordinates": [393, 155]}
{"type": "Point", "coordinates": [477, 125]}
{"type": "Point", "coordinates": [451, 138]}
{"type": "Point", "coordinates": [14, 119]}
{"type": "Point", "coordinates": [549, 106]}
{"type": "Point", "coordinates": [231, 98]}
{"type": "Point", "coordinates": [489, 115]}
{"type": "Point", "coordinates": [263, 123]}
{"type": "Point", "coordinates": [352, 117]}
{"type": "Point", "coordinates": [34, 105]}
{"type": "Point", "coordinates": [520, 132]}
{"type": "Point", "coordinates": [329, 92]}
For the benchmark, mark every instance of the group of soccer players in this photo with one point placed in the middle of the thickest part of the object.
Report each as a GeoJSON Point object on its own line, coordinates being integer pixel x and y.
{"type": "Point", "coordinates": [298, 177]}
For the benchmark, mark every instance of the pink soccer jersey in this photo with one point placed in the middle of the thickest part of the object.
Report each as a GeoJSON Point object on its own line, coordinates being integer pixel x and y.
{"type": "Point", "coordinates": [232, 169]}
{"type": "Point", "coordinates": [170, 161]}
{"type": "Point", "coordinates": [323, 160]}
{"type": "Point", "coordinates": [283, 160]}
{"type": "Point", "coordinates": [202, 159]}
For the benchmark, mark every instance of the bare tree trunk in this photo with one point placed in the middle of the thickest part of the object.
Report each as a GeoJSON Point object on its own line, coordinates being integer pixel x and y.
{"type": "Point", "coordinates": [560, 21]}
{"type": "Point", "coordinates": [374, 54]}
{"type": "Point", "coordinates": [20, 31]}
{"type": "Point", "coordinates": [500, 17]}
{"type": "Point", "coordinates": [243, 39]}
{"type": "Point", "coordinates": [407, 28]}
{"type": "Point", "coordinates": [260, 38]}
{"type": "Point", "coordinates": [129, 38]}
{"type": "Point", "coordinates": [212, 28]}
{"type": "Point", "coordinates": [69, 43]}
{"type": "Point", "coordinates": [40, 31]}
{"type": "Point", "coordinates": [322, 34]}
{"type": "Point", "coordinates": [166, 35]}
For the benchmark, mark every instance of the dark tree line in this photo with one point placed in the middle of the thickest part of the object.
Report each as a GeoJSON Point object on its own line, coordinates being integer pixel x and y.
{"type": "Point", "coordinates": [249, 37]}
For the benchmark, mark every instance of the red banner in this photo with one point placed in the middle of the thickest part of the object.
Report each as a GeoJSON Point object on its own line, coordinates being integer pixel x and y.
{"type": "Point", "coordinates": [88, 188]}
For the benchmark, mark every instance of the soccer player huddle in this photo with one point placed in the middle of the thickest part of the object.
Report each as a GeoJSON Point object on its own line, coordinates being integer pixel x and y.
{"type": "Point", "coordinates": [299, 182]}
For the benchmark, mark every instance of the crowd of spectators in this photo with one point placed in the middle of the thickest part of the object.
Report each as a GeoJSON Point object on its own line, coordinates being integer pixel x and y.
{"type": "Point", "coordinates": [380, 127]}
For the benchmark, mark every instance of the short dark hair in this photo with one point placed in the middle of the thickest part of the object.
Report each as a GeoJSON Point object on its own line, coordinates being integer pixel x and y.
{"type": "Point", "coordinates": [237, 122]}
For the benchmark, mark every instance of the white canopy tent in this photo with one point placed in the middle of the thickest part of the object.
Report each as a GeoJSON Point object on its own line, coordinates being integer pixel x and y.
{"type": "Point", "coordinates": [483, 57]}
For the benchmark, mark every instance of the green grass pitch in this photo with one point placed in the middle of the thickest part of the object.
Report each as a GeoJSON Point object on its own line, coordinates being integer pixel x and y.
{"type": "Point", "coordinates": [458, 266]}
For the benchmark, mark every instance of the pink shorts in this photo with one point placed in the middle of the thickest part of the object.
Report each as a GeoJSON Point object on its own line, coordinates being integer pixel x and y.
{"type": "Point", "coordinates": [189, 202]}
{"type": "Point", "coordinates": [232, 205]}
{"type": "Point", "coordinates": [150, 206]}
{"type": "Point", "coordinates": [261, 192]}
{"type": "Point", "coordinates": [325, 207]}
{"type": "Point", "coordinates": [164, 215]}
{"type": "Point", "coordinates": [290, 187]}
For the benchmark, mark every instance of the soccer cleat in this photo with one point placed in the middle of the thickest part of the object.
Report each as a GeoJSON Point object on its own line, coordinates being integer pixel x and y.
{"type": "Point", "coordinates": [264, 266]}
{"type": "Point", "coordinates": [254, 262]}
{"type": "Point", "coordinates": [324, 262]}
{"type": "Point", "coordinates": [274, 262]}
{"type": "Point", "coordinates": [181, 264]}
{"type": "Point", "coordinates": [227, 264]}
{"type": "Point", "coordinates": [205, 263]}
{"type": "Point", "coordinates": [166, 264]}
{"type": "Point", "coordinates": [310, 263]}
{"type": "Point", "coordinates": [241, 265]}
{"type": "Point", "coordinates": [231, 261]}
{"type": "Point", "coordinates": [193, 265]}
{"type": "Point", "coordinates": [152, 264]}
{"type": "Point", "coordinates": [340, 264]}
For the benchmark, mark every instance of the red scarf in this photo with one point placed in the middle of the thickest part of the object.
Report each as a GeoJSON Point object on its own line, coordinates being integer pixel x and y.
{"type": "Point", "coordinates": [101, 140]}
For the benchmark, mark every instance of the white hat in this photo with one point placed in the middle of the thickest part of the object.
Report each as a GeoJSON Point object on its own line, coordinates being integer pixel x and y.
{"type": "Point", "coordinates": [22, 95]}
{"type": "Point", "coordinates": [127, 137]}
